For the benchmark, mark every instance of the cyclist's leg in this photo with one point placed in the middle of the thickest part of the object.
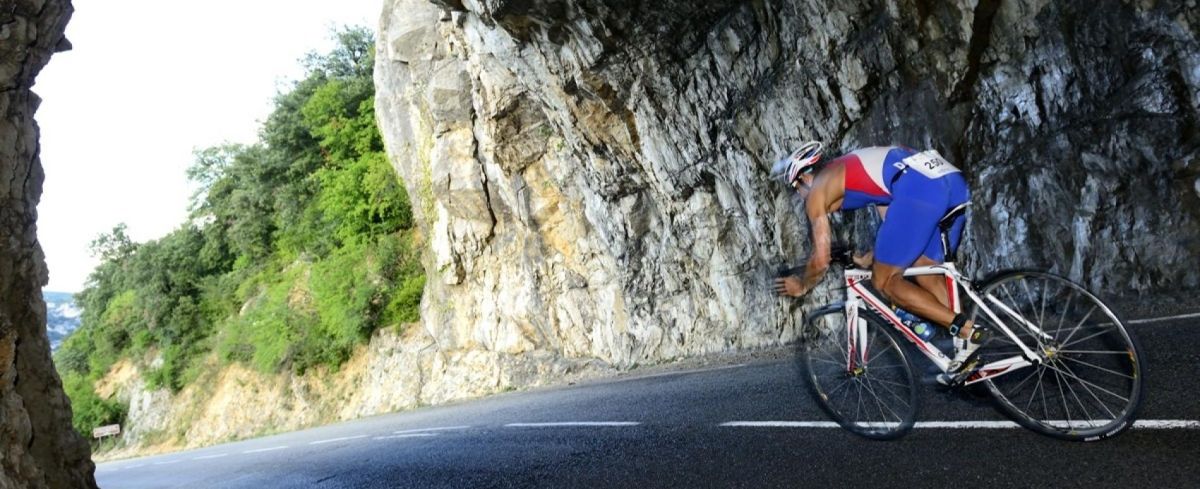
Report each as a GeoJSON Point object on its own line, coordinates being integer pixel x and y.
{"type": "Point", "coordinates": [933, 253]}
{"type": "Point", "coordinates": [935, 284]}
{"type": "Point", "coordinates": [902, 238]}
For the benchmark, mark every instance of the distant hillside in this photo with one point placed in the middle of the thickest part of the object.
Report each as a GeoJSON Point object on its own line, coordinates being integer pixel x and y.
{"type": "Point", "coordinates": [62, 316]}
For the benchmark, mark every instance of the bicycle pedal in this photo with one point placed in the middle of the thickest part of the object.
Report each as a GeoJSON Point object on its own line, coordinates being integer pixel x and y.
{"type": "Point", "coordinates": [957, 379]}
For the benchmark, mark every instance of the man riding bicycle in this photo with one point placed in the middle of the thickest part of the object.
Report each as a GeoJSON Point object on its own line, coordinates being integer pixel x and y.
{"type": "Point", "coordinates": [912, 192]}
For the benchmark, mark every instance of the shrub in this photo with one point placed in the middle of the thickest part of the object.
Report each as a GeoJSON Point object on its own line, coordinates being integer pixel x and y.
{"type": "Point", "coordinates": [88, 410]}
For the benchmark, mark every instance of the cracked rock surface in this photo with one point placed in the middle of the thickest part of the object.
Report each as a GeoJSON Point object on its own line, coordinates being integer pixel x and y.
{"type": "Point", "coordinates": [592, 176]}
{"type": "Point", "coordinates": [38, 447]}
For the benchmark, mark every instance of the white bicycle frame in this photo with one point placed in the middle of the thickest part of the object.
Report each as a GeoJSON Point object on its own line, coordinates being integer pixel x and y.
{"type": "Point", "coordinates": [858, 296]}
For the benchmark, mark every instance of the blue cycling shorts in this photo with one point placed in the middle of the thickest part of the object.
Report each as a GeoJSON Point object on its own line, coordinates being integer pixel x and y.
{"type": "Point", "coordinates": [910, 228]}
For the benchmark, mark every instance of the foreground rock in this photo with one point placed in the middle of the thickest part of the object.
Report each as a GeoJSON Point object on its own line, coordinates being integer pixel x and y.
{"type": "Point", "coordinates": [38, 447]}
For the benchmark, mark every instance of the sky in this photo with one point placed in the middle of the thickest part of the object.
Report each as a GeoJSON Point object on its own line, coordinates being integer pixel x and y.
{"type": "Point", "coordinates": [147, 82]}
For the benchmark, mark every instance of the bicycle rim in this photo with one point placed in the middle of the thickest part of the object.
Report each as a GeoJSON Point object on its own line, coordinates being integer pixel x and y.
{"type": "Point", "coordinates": [1090, 385]}
{"type": "Point", "coordinates": [878, 399]}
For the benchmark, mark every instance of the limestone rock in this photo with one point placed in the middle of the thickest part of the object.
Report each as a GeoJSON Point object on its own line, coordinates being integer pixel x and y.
{"type": "Point", "coordinates": [592, 176]}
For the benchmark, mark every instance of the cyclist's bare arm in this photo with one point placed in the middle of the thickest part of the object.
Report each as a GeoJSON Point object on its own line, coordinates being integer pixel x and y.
{"type": "Point", "coordinates": [818, 262]}
{"type": "Point", "coordinates": [825, 197]}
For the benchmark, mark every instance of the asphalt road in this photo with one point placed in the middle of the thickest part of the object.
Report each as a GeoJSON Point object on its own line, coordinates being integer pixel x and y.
{"type": "Point", "coordinates": [669, 430]}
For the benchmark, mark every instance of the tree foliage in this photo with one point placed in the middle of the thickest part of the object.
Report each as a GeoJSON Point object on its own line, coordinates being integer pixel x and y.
{"type": "Point", "coordinates": [298, 247]}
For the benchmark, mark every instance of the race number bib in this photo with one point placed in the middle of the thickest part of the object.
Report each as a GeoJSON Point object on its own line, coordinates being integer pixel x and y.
{"type": "Point", "coordinates": [929, 163]}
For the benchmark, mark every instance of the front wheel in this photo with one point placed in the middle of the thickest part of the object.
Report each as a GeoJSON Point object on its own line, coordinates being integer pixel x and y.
{"type": "Point", "coordinates": [868, 388]}
{"type": "Point", "coordinates": [1088, 385]}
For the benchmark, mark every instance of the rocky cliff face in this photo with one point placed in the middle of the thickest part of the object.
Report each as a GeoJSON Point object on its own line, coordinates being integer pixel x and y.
{"type": "Point", "coordinates": [38, 448]}
{"type": "Point", "coordinates": [593, 175]}
{"type": "Point", "coordinates": [395, 371]}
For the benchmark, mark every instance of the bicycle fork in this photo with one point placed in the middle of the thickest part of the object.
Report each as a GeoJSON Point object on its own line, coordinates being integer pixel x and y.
{"type": "Point", "coordinates": [856, 340]}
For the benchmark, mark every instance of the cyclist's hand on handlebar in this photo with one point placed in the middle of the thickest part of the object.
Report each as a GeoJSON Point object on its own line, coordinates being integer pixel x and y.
{"type": "Point", "coordinates": [791, 286]}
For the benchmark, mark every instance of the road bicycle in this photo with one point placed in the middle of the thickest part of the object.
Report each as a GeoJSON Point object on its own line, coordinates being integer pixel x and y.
{"type": "Point", "coordinates": [1059, 361]}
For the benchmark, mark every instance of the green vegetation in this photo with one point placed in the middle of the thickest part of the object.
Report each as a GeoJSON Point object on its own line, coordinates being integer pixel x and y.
{"type": "Point", "coordinates": [297, 249]}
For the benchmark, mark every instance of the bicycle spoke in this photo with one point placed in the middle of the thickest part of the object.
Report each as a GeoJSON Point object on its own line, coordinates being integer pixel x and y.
{"type": "Point", "coordinates": [1076, 342]}
{"type": "Point", "coordinates": [1047, 396]}
{"type": "Point", "coordinates": [858, 405]}
{"type": "Point", "coordinates": [1063, 316]}
{"type": "Point", "coordinates": [1045, 405]}
{"type": "Point", "coordinates": [867, 378]}
{"type": "Point", "coordinates": [1067, 341]}
{"type": "Point", "coordinates": [897, 384]}
{"type": "Point", "coordinates": [1021, 330]}
{"type": "Point", "coordinates": [1083, 407]}
{"type": "Point", "coordinates": [886, 367]}
{"type": "Point", "coordinates": [1093, 384]}
{"type": "Point", "coordinates": [1098, 326]}
{"type": "Point", "coordinates": [839, 363]}
{"type": "Point", "coordinates": [838, 388]}
{"type": "Point", "coordinates": [1022, 325]}
{"type": "Point", "coordinates": [849, 383]}
{"type": "Point", "coordinates": [1037, 388]}
{"type": "Point", "coordinates": [880, 404]}
{"type": "Point", "coordinates": [878, 353]}
{"type": "Point", "coordinates": [1022, 382]}
{"type": "Point", "coordinates": [1011, 299]}
{"type": "Point", "coordinates": [1093, 394]}
{"type": "Point", "coordinates": [1066, 410]}
{"type": "Point", "coordinates": [1029, 293]}
{"type": "Point", "coordinates": [1042, 311]}
{"type": "Point", "coordinates": [1096, 352]}
{"type": "Point", "coordinates": [1003, 353]}
{"type": "Point", "coordinates": [840, 385]}
{"type": "Point", "coordinates": [1097, 367]}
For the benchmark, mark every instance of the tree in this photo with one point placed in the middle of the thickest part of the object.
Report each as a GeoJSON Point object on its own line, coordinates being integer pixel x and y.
{"type": "Point", "coordinates": [114, 245]}
{"type": "Point", "coordinates": [296, 249]}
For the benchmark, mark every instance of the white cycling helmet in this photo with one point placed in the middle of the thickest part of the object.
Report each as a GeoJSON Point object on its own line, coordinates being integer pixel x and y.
{"type": "Point", "coordinates": [802, 160]}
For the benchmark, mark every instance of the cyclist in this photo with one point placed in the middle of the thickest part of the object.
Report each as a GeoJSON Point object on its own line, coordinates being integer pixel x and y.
{"type": "Point", "coordinates": [912, 192]}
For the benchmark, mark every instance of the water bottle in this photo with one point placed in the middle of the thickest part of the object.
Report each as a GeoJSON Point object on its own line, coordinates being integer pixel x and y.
{"type": "Point", "coordinates": [923, 329]}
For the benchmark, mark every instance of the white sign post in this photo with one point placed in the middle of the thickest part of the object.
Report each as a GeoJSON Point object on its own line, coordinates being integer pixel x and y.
{"type": "Point", "coordinates": [109, 430]}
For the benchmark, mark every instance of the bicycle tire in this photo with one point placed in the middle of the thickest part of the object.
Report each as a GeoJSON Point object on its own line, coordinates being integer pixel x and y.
{"type": "Point", "coordinates": [1090, 386]}
{"type": "Point", "coordinates": [878, 401]}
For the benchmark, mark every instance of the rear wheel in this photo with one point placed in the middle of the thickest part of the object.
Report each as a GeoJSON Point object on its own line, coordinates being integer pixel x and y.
{"type": "Point", "coordinates": [876, 398]}
{"type": "Point", "coordinates": [1089, 384]}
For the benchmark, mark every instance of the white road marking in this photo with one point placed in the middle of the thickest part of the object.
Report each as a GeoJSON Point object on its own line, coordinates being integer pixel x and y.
{"type": "Point", "coordinates": [571, 423]}
{"type": "Point", "coordinates": [206, 457]}
{"type": "Point", "coordinates": [780, 424]}
{"type": "Point", "coordinates": [168, 462]}
{"type": "Point", "coordinates": [411, 435]}
{"type": "Point", "coordinates": [1167, 424]}
{"type": "Point", "coordinates": [1165, 318]}
{"type": "Point", "coordinates": [443, 428]}
{"type": "Point", "coordinates": [260, 450]}
{"type": "Point", "coordinates": [1160, 424]}
{"type": "Point", "coordinates": [331, 440]}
